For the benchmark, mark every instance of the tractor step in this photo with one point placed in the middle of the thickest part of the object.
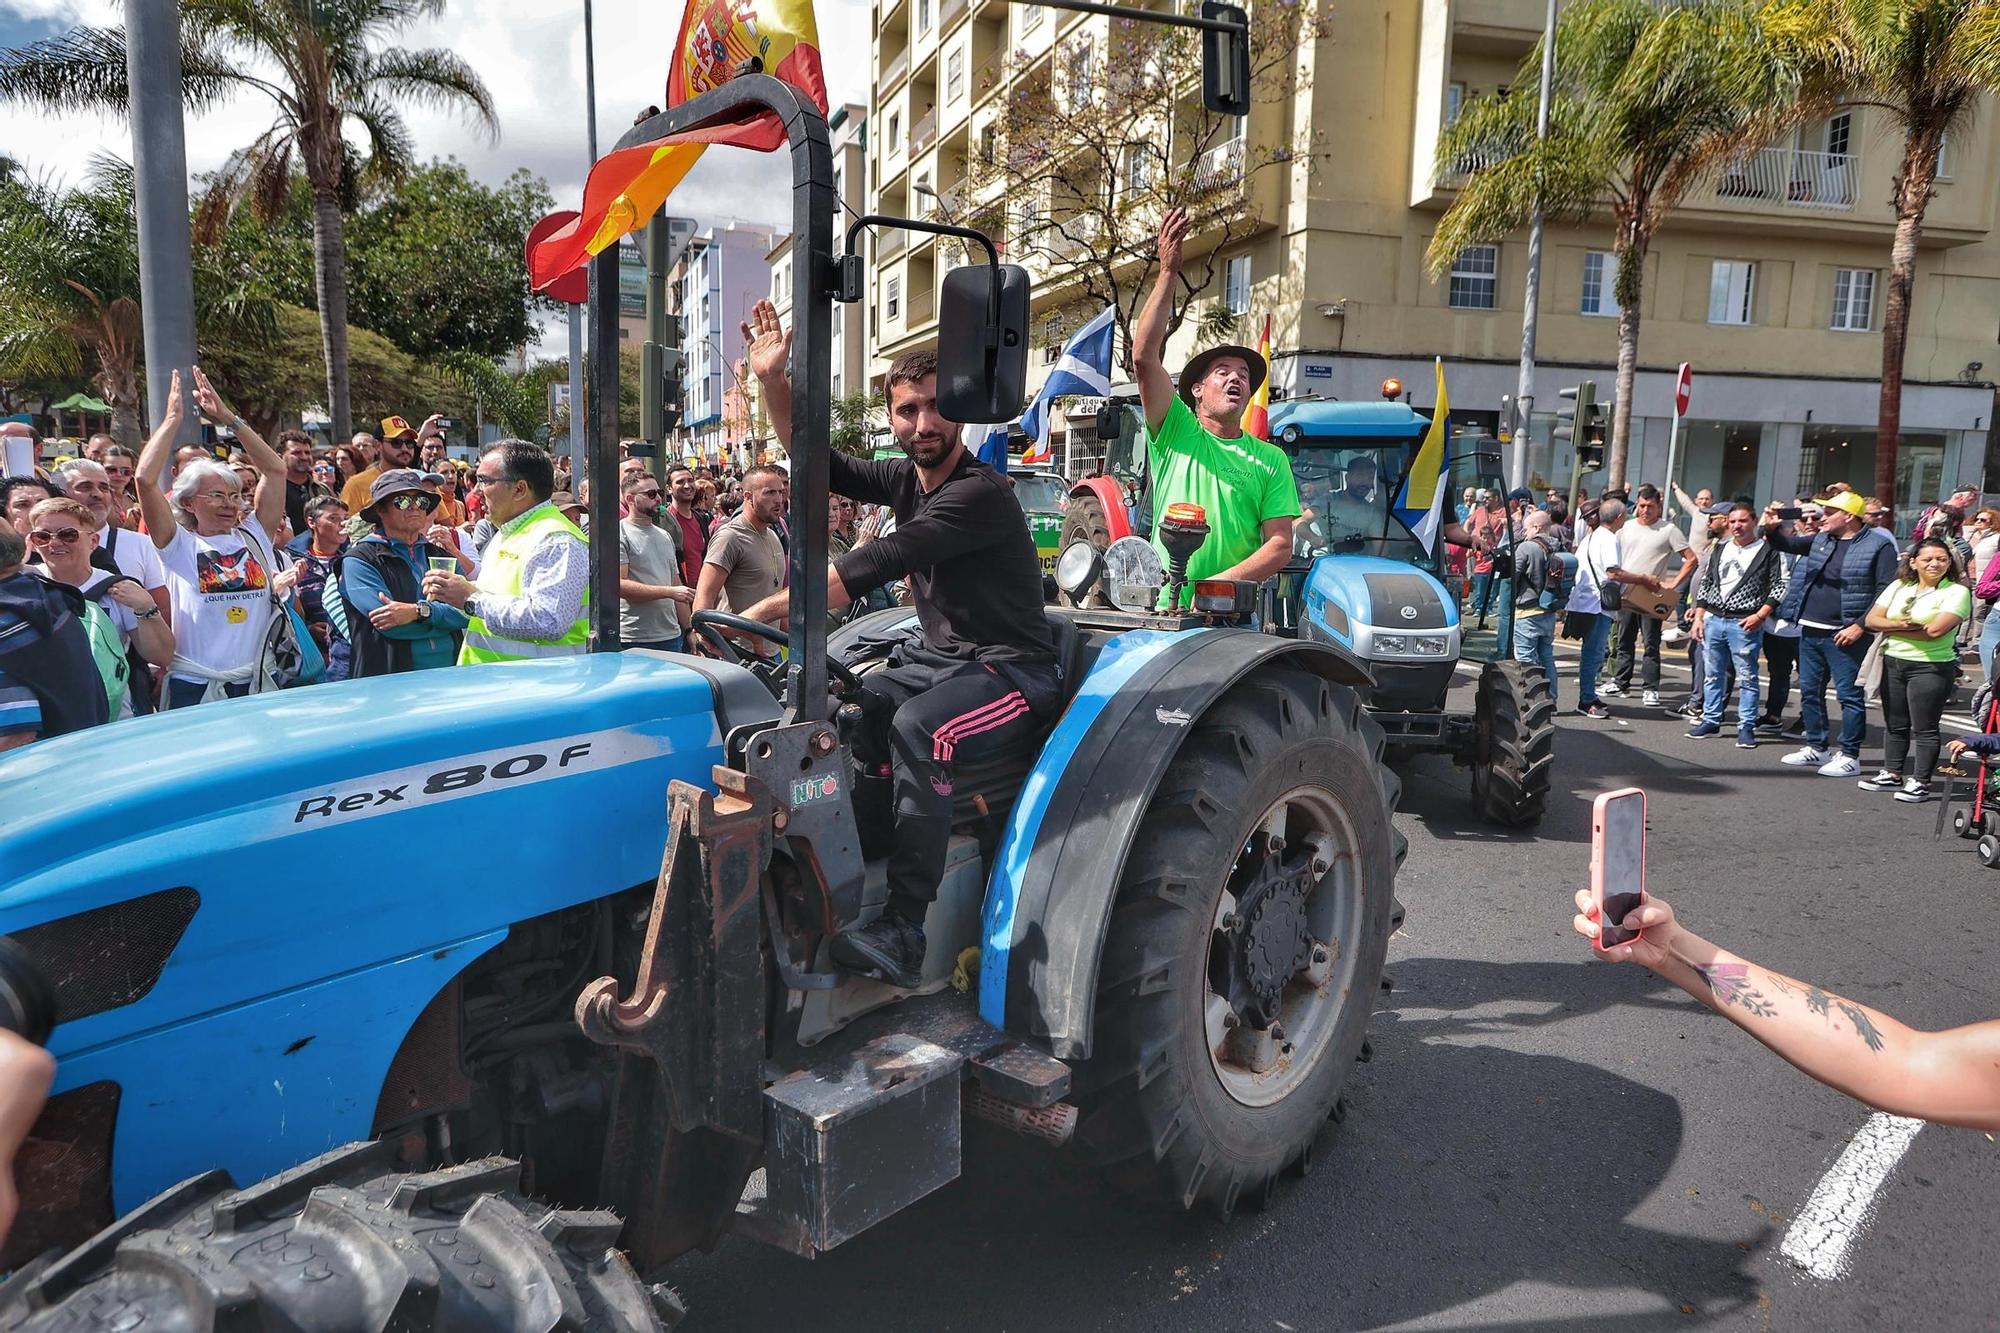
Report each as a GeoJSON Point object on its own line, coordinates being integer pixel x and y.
{"type": "Point", "coordinates": [1005, 1066]}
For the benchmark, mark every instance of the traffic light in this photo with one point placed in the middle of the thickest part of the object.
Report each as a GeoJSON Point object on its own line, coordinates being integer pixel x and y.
{"type": "Point", "coordinates": [1576, 414]}
{"type": "Point", "coordinates": [1225, 60]}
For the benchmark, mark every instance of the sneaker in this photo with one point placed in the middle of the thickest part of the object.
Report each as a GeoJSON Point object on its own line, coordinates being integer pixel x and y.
{"type": "Point", "coordinates": [1612, 688]}
{"type": "Point", "coordinates": [1770, 726]}
{"type": "Point", "coordinates": [1651, 699]}
{"type": "Point", "coordinates": [1746, 739]}
{"type": "Point", "coordinates": [887, 948]}
{"type": "Point", "coordinates": [1702, 731]}
{"type": "Point", "coordinates": [1795, 732]}
{"type": "Point", "coordinates": [1806, 756]}
{"type": "Point", "coordinates": [1882, 781]}
{"type": "Point", "coordinates": [1914, 792]}
{"type": "Point", "coordinates": [1596, 711]}
{"type": "Point", "coordinates": [1673, 634]}
{"type": "Point", "coordinates": [1840, 766]}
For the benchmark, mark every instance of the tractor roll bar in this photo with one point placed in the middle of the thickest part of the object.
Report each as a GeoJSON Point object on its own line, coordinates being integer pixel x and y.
{"type": "Point", "coordinates": [812, 329]}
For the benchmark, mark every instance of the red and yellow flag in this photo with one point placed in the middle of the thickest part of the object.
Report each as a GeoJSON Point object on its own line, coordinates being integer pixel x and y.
{"type": "Point", "coordinates": [628, 186]}
{"type": "Point", "coordinates": [1257, 416]}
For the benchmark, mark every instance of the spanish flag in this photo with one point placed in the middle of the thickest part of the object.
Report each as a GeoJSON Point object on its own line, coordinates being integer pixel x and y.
{"type": "Point", "coordinates": [717, 37]}
{"type": "Point", "coordinates": [1423, 488]}
{"type": "Point", "coordinates": [1257, 416]}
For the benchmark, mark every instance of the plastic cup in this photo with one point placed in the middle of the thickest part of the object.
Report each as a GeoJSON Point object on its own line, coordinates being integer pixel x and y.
{"type": "Point", "coordinates": [442, 564]}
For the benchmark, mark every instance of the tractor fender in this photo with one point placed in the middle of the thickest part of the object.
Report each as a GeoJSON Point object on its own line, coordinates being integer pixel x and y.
{"type": "Point", "coordinates": [1112, 496]}
{"type": "Point", "coordinates": [1054, 876]}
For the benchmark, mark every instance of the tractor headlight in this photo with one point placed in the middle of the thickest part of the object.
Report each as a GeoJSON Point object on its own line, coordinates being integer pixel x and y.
{"type": "Point", "coordinates": [1431, 645]}
{"type": "Point", "coordinates": [1392, 643]}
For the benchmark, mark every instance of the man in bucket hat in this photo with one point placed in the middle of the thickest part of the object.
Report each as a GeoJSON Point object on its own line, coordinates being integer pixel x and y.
{"type": "Point", "coordinates": [380, 608]}
{"type": "Point", "coordinates": [1197, 447]}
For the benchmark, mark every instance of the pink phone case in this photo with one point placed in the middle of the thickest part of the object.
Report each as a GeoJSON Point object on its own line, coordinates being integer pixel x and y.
{"type": "Point", "coordinates": [1598, 810]}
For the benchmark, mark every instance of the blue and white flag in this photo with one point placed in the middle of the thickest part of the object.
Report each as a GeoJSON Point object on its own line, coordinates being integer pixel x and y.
{"type": "Point", "coordinates": [1083, 370]}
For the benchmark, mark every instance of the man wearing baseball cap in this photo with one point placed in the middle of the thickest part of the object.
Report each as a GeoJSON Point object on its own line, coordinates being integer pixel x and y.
{"type": "Point", "coordinates": [1839, 574]}
{"type": "Point", "coordinates": [400, 442]}
{"type": "Point", "coordinates": [1196, 444]}
{"type": "Point", "coordinates": [381, 610]}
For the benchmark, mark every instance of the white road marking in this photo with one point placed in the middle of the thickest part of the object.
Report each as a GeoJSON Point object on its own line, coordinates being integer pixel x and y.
{"type": "Point", "coordinates": [1833, 1218]}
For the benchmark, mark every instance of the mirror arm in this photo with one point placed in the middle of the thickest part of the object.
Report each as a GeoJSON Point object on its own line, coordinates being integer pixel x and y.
{"type": "Point", "coordinates": [850, 262]}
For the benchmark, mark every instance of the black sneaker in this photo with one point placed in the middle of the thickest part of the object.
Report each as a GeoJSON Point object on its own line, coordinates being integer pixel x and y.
{"type": "Point", "coordinates": [887, 948]}
{"type": "Point", "coordinates": [1770, 726]}
{"type": "Point", "coordinates": [1596, 711]}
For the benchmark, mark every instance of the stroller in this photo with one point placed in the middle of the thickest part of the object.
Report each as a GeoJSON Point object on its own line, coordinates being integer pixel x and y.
{"type": "Point", "coordinates": [1975, 814]}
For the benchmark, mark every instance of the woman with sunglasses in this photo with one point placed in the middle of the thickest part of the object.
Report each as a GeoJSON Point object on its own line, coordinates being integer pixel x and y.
{"type": "Point", "coordinates": [381, 610]}
{"type": "Point", "coordinates": [64, 532]}
{"type": "Point", "coordinates": [214, 538]}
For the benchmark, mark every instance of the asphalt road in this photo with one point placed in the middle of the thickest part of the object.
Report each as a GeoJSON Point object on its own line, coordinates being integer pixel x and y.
{"type": "Point", "coordinates": [1541, 1141]}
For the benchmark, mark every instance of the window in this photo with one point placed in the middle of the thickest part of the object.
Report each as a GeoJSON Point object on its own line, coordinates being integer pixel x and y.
{"type": "Point", "coordinates": [1031, 19]}
{"type": "Point", "coordinates": [1944, 158]}
{"type": "Point", "coordinates": [836, 384]}
{"type": "Point", "coordinates": [1475, 277]}
{"type": "Point", "coordinates": [1236, 284]}
{"type": "Point", "coordinates": [1138, 168]}
{"type": "Point", "coordinates": [1027, 219]}
{"type": "Point", "coordinates": [895, 129]}
{"type": "Point", "coordinates": [1600, 283]}
{"type": "Point", "coordinates": [1454, 101]}
{"type": "Point", "coordinates": [954, 75]}
{"type": "Point", "coordinates": [1077, 94]}
{"type": "Point", "coordinates": [923, 16]}
{"type": "Point", "coordinates": [1854, 299]}
{"type": "Point", "coordinates": [1840, 133]}
{"type": "Point", "coordinates": [895, 297]}
{"type": "Point", "coordinates": [1732, 285]}
{"type": "Point", "coordinates": [987, 141]}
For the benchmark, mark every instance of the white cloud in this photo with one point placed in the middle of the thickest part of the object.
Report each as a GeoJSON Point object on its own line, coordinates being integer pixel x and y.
{"type": "Point", "coordinates": [530, 54]}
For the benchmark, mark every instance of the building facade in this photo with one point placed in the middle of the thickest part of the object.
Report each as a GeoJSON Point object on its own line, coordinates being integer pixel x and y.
{"type": "Point", "coordinates": [718, 278]}
{"type": "Point", "coordinates": [1770, 279]}
{"type": "Point", "coordinates": [848, 126]}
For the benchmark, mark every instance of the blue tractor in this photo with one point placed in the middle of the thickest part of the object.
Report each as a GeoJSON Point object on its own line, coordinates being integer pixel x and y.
{"type": "Point", "coordinates": [1361, 580]}
{"type": "Point", "coordinates": [508, 984]}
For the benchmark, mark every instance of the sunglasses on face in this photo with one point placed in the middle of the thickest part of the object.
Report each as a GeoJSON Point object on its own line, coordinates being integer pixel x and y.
{"type": "Point", "coordinates": [117, 471]}
{"type": "Point", "coordinates": [413, 500]}
{"type": "Point", "coordinates": [653, 494]}
{"type": "Point", "coordinates": [50, 536]}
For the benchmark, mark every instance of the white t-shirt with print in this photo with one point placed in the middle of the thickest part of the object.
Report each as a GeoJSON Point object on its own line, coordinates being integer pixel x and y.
{"type": "Point", "coordinates": [135, 555]}
{"type": "Point", "coordinates": [1598, 553]}
{"type": "Point", "coordinates": [221, 596]}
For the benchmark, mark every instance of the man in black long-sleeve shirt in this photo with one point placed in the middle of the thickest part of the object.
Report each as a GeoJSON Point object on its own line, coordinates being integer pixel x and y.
{"type": "Point", "coordinates": [985, 672]}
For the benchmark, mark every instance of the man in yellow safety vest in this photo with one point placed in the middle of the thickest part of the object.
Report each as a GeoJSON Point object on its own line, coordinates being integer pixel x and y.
{"type": "Point", "coordinates": [533, 595]}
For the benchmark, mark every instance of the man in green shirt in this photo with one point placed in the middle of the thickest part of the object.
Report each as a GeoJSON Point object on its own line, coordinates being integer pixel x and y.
{"type": "Point", "coordinates": [1196, 445]}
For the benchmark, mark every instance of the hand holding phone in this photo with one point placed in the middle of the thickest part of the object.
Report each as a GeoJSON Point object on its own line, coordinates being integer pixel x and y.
{"type": "Point", "coordinates": [1617, 863]}
{"type": "Point", "coordinates": [1791, 511]}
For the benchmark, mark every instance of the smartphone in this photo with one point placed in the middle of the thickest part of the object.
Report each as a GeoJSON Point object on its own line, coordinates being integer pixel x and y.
{"type": "Point", "coordinates": [1791, 511]}
{"type": "Point", "coordinates": [1617, 862]}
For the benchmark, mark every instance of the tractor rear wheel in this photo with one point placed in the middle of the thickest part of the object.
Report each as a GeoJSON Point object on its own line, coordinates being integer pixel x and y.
{"type": "Point", "coordinates": [1245, 948]}
{"type": "Point", "coordinates": [1516, 715]}
{"type": "Point", "coordinates": [345, 1241]}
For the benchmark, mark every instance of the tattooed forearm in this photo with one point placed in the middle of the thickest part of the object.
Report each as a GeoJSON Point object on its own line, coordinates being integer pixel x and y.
{"type": "Point", "coordinates": [1816, 1000]}
{"type": "Point", "coordinates": [1864, 1026]}
{"type": "Point", "coordinates": [1730, 983]}
{"type": "Point", "coordinates": [1780, 985]}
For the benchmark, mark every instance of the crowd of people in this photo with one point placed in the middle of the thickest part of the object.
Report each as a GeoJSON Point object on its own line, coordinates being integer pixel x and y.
{"type": "Point", "coordinates": [134, 583]}
{"type": "Point", "coordinates": [1818, 589]}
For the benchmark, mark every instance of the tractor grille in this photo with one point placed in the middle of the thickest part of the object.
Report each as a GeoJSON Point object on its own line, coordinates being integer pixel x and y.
{"type": "Point", "coordinates": [110, 956]}
{"type": "Point", "coordinates": [426, 1076]}
{"type": "Point", "coordinates": [1390, 594]}
{"type": "Point", "coordinates": [63, 1172]}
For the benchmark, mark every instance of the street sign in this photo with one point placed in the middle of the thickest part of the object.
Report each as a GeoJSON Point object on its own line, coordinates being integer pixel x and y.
{"type": "Point", "coordinates": [1683, 389]}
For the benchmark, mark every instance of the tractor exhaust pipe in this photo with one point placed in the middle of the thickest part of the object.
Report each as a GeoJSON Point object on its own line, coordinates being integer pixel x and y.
{"type": "Point", "coordinates": [1053, 1125]}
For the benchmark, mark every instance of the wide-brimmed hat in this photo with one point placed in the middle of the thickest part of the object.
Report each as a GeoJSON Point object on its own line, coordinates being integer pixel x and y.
{"type": "Point", "coordinates": [397, 481]}
{"type": "Point", "coordinates": [1198, 366]}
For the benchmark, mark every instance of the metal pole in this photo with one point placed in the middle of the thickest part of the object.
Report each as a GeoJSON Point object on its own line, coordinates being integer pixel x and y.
{"type": "Point", "coordinates": [159, 161]}
{"type": "Point", "coordinates": [1673, 452]}
{"type": "Point", "coordinates": [573, 437]}
{"type": "Point", "coordinates": [600, 448]}
{"type": "Point", "coordinates": [1524, 390]}
{"type": "Point", "coordinates": [590, 82]}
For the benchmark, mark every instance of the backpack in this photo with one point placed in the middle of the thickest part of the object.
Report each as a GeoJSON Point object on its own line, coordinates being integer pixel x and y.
{"type": "Point", "coordinates": [130, 678]}
{"type": "Point", "coordinates": [1561, 579]}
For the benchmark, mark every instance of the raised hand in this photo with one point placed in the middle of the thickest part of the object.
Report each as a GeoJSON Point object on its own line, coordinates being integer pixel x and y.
{"type": "Point", "coordinates": [209, 401]}
{"type": "Point", "coordinates": [174, 409]}
{"type": "Point", "coordinates": [1173, 234]}
{"type": "Point", "coordinates": [767, 344]}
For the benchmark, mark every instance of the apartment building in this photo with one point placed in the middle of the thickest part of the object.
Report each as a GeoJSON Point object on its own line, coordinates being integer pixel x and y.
{"type": "Point", "coordinates": [1770, 281]}
{"type": "Point", "coordinates": [718, 278]}
{"type": "Point", "coordinates": [848, 128]}
{"type": "Point", "coordinates": [632, 276]}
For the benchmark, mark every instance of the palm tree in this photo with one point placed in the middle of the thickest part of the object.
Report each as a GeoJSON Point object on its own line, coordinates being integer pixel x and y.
{"type": "Point", "coordinates": [1646, 102]}
{"type": "Point", "coordinates": [320, 63]}
{"type": "Point", "coordinates": [1927, 63]}
{"type": "Point", "coordinates": [69, 289]}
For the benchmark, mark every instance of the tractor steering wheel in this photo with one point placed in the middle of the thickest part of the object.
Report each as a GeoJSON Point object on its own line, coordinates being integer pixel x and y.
{"type": "Point", "coordinates": [711, 624]}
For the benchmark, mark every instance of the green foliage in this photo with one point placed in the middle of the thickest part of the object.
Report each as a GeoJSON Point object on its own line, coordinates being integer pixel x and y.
{"type": "Point", "coordinates": [854, 415]}
{"type": "Point", "coordinates": [435, 264]}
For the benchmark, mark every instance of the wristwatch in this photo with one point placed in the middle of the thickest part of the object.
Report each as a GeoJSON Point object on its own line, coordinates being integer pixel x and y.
{"type": "Point", "coordinates": [148, 614]}
{"type": "Point", "coordinates": [423, 610]}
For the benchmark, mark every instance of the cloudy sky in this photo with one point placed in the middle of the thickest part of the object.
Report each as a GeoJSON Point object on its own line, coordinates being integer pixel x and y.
{"type": "Point", "coordinates": [530, 53]}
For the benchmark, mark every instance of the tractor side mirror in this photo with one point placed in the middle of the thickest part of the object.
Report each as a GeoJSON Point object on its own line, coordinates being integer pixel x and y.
{"type": "Point", "coordinates": [1110, 420]}
{"type": "Point", "coordinates": [1225, 60]}
{"type": "Point", "coordinates": [983, 343]}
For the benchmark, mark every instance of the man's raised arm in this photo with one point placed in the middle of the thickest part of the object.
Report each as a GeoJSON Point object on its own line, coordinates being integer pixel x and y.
{"type": "Point", "coordinates": [1149, 335]}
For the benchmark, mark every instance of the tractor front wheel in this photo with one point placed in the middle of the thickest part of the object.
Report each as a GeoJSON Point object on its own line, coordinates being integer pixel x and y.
{"type": "Point", "coordinates": [1084, 520]}
{"type": "Point", "coordinates": [345, 1241]}
{"type": "Point", "coordinates": [1515, 711]}
{"type": "Point", "coordinates": [1245, 947]}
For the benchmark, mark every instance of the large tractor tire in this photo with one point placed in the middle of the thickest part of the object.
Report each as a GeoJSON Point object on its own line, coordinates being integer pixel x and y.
{"type": "Point", "coordinates": [1516, 714]}
{"type": "Point", "coordinates": [1084, 521]}
{"type": "Point", "coordinates": [344, 1242]}
{"type": "Point", "coordinates": [1244, 953]}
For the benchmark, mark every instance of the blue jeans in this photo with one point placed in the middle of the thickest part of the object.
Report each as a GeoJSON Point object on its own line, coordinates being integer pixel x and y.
{"type": "Point", "coordinates": [1595, 641]}
{"type": "Point", "coordinates": [1535, 641]}
{"type": "Point", "coordinates": [1723, 642]}
{"type": "Point", "coordinates": [1989, 643]}
{"type": "Point", "coordinates": [1821, 660]}
{"type": "Point", "coordinates": [1482, 594]}
{"type": "Point", "coordinates": [1506, 592]}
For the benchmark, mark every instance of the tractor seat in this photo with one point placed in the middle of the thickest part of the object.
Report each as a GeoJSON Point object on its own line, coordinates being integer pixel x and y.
{"type": "Point", "coordinates": [995, 779]}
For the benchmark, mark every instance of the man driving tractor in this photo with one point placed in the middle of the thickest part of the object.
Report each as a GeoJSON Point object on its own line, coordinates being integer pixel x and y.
{"type": "Point", "coordinates": [984, 672]}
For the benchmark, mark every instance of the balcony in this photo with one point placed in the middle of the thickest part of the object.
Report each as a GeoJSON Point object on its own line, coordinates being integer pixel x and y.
{"type": "Point", "coordinates": [893, 72]}
{"type": "Point", "coordinates": [952, 9]}
{"type": "Point", "coordinates": [924, 134]}
{"type": "Point", "coordinates": [1789, 178]}
{"type": "Point", "coordinates": [1219, 167]}
{"type": "Point", "coordinates": [990, 76]}
{"type": "Point", "coordinates": [890, 242]}
{"type": "Point", "coordinates": [922, 304]}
